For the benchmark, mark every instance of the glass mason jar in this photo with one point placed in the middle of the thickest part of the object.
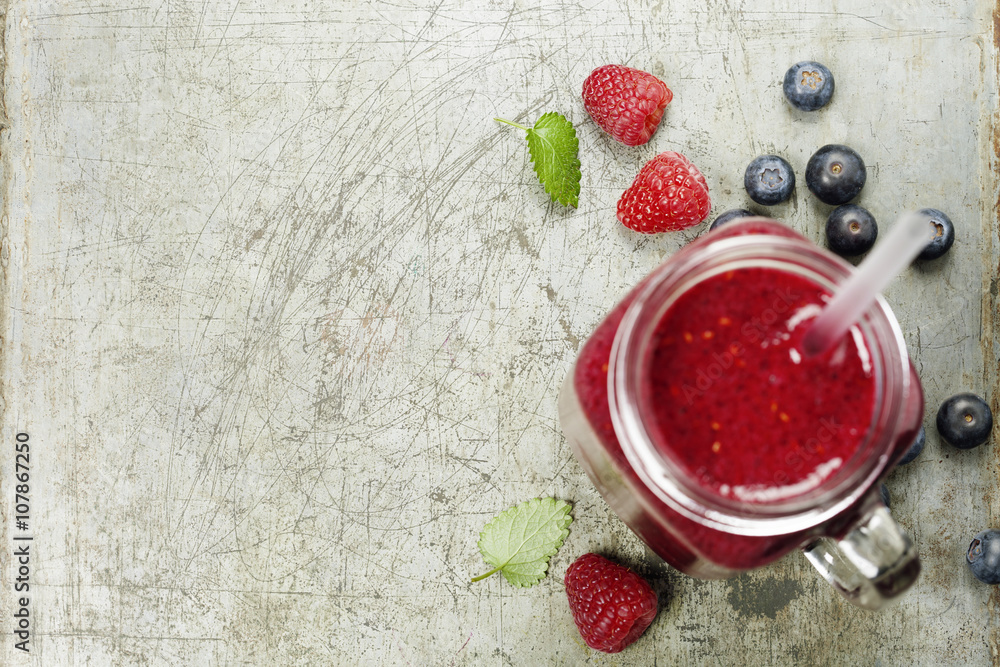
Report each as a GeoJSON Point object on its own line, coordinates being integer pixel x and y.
{"type": "Point", "coordinates": [841, 525]}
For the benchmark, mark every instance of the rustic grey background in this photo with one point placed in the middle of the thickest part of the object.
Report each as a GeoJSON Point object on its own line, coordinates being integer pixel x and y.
{"type": "Point", "coordinates": [285, 314]}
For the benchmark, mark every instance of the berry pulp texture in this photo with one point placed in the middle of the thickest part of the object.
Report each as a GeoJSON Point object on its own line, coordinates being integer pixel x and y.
{"type": "Point", "coordinates": [733, 400]}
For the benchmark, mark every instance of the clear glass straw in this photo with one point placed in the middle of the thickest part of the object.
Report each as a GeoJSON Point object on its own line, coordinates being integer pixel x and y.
{"type": "Point", "coordinates": [911, 233]}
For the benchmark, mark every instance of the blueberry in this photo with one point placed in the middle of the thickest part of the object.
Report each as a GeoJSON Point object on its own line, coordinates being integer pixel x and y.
{"type": "Point", "coordinates": [965, 421]}
{"type": "Point", "coordinates": [885, 495]}
{"type": "Point", "coordinates": [730, 216]}
{"type": "Point", "coordinates": [769, 180]}
{"type": "Point", "coordinates": [983, 556]}
{"type": "Point", "coordinates": [944, 234]}
{"type": "Point", "coordinates": [851, 230]}
{"type": "Point", "coordinates": [915, 449]}
{"type": "Point", "coordinates": [808, 85]}
{"type": "Point", "coordinates": [836, 174]}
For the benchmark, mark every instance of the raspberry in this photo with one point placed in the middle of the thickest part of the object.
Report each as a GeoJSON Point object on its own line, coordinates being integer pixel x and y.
{"type": "Point", "coordinates": [626, 103]}
{"type": "Point", "coordinates": [611, 605]}
{"type": "Point", "coordinates": [667, 195]}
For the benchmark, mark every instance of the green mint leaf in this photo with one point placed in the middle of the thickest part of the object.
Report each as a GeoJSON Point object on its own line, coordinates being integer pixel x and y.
{"type": "Point", "coordinates": [555, 150]}
{"type": "Point", "coordinates": [520, 541]}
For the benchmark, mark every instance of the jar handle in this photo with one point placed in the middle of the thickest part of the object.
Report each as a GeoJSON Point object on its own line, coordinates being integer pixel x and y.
{"type": "Point", "coordinates": [872, 564]}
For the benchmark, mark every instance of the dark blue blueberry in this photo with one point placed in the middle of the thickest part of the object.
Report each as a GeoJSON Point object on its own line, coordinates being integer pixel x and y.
{"type": "Point", "coordinates": [836, 174]}
{"type": "Point", "coordinates": [851, 230]}
{"type": "Point", "coordinates": [808, 85]}
{"type": "Point", "coordinates": [944, 234]}
{"type": "Point", "coordinates": [885, 495]}
{"type": "Point", "coordinates": [983, 556]}
{"type": "Point", "coordinates": [769, 180]}
{"type": "Point", "coordinates": [965, 421]}
{"type": "Point", "coordinates": [915, 449]}
{"type": "Point", "coordinates": [730, 216]}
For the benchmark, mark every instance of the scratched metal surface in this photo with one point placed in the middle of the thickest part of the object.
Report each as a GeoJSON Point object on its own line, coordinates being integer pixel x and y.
{"type": "Point", "coordinates": [285, 314]}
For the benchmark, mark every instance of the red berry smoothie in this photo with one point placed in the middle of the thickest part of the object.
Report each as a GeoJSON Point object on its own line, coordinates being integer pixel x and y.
{"type": "Point", "coordinates": [733, 400]}
{"type": "Point", "coordinates": [728, 397]}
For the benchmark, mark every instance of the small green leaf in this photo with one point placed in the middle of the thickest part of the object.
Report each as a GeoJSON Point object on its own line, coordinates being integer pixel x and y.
{"type": "Point", "coordinates": [520, 541]}
{"type": "Point", "coordinates": [555, 150]}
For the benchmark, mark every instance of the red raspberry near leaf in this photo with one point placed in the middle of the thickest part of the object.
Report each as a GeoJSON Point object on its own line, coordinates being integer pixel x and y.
{"type": "Point", "coordinates": [668, 194]}
{"type": "Point", "coordinates": [611, 605]}
{"type": "Point", "coordinates": [626, 103]}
